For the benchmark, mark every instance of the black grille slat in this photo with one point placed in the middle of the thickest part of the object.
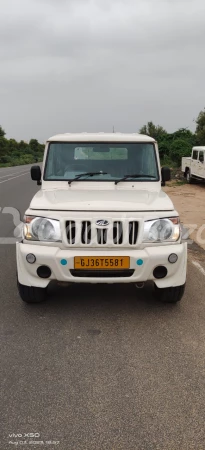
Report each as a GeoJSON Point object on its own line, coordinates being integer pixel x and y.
{"type": "Point", "coordinates": [101, 236]}
{"type": "Point", "coordinates": [86, 232]}
{"type": "Point", "coordinates": [133, 232]}
{"type": "Point", "coordinates": [117, 233]}
{"type": "Point", "coordinates": [71, 231]}
{"type": "Point", "coordinates": [102, 273]}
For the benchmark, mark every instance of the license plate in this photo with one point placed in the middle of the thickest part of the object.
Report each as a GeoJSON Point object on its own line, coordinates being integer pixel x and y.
{"type": "Point", "coordinates": [119, 262]}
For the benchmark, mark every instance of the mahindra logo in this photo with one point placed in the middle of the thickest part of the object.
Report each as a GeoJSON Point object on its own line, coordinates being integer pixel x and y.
{"type": "Point", "coordinates": [102, 223]}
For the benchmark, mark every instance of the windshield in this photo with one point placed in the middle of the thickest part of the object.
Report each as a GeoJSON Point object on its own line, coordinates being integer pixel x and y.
{"type": "Point", "coordinates": [106, 161]}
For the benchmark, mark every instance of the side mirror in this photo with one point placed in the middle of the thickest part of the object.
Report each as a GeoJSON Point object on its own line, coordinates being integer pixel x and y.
{"type": "Point", "coordinates": [166, 175]}
{"type": "Point", "coordinates": [36, 174]}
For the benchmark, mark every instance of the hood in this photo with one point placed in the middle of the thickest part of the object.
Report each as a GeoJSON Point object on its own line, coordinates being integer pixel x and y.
{"type": "Point", "coordinates": [102, 200]}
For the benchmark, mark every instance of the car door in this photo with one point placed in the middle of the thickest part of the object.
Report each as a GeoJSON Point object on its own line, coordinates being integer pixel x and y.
{"type": "Point", "coordinates": [194, 163]}
{"type": "Point", "coordinates": [201, 164]}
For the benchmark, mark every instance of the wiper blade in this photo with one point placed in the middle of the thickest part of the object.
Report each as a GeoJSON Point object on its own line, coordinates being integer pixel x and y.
{"type": "Point", "coordinates": [135, 175]}
{"type": "Point", "coordinates": [86, 174]}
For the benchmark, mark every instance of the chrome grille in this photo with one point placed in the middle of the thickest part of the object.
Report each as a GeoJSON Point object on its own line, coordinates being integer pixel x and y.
{"type": "Point", "coordinates": [85, 232]}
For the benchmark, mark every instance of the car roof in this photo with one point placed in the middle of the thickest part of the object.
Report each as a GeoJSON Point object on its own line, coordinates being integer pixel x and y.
{"type": "Point", "coordinates": [202, 147]}
{"type": "Point", "coordinates": [101, 137]}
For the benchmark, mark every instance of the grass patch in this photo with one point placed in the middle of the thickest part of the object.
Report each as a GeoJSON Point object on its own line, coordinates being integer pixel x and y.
{"type": "Point", "coordinates": [176, 183]}
{"type": "Point", "coordinates": [181, 182]}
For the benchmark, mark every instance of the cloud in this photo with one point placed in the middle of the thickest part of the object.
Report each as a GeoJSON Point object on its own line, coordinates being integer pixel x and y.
{"type": "Point", "coordinates": [96, 62]}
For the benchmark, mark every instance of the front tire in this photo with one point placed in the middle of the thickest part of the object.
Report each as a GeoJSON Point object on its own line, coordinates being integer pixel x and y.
{"type": "Point", "coordinates": [170, 295]}
{"type": "Point", "coordinates": [30, 294]}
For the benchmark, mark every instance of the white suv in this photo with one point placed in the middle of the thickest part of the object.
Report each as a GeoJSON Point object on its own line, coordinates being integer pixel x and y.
{"type": "Point", "coordinates": [101, 217]}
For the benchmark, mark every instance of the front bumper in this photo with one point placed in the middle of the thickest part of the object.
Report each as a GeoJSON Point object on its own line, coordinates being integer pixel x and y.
{"type": "Point", "coordinates": [52, 256]}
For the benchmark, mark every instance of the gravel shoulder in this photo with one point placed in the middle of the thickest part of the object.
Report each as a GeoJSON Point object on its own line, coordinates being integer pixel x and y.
{"type": "Point", "coordinates": [189, 201]}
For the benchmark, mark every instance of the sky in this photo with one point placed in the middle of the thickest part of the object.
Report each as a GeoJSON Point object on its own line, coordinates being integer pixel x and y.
{"type": "Point", "coordinates": [89, 65]}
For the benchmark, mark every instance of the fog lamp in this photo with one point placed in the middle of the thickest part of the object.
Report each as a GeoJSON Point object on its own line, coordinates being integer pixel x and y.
{"type": "Point", "coordinates": [30, 258]}
{"type": "Point", "coordinates": [173, 258]}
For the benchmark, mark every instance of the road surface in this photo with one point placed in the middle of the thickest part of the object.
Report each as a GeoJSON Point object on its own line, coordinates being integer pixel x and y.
{"type": "Point", "coordinates": [98, 367]}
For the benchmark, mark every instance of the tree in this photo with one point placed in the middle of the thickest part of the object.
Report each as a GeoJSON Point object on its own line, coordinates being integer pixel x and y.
{"type": "Point", "coordinates": [179, 149]}
{"type": "Point", "coordinates": [5, 159]}
{"type": "Point", "coordinates": [3, 145]}
{"type": "Point", "coordinates": [15, 153]}
{"type": "Point", "coordinates": [200, 128]}
{"type": "Point", "coordinates": [33, 144]}
{"type": "Point", "coordinates": [23, 145]}
{"type": "Point", "coordinates": [185, 134]}
{"type": "Point", "coordinates": [160, 135]}
{"type": "Point", "coordinates": [155, 131]}
{"type": "Point", "coordinates": [2, 132]}
{"type": "Point", "coordinates": [164, 147]}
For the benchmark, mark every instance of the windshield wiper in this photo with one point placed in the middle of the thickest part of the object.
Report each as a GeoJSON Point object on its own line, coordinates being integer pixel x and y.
{"type": "Point", "coordinates": [86, 174]}
{"type": "Point", "coordinates": [135, 175]}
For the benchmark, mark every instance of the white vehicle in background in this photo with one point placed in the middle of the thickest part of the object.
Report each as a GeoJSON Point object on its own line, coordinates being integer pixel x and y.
{"type": "Point", "coordinates": [101, 217]}
{"type": "Point", "coordinates": [194, 167]}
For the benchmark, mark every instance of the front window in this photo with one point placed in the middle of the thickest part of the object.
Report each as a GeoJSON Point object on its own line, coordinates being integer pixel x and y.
{"type": "Point", "coordinates": [201, 156]}
{"type": "Point", "coordinates": [101, 161]}
{"type": "Point", "coordinates": [195, 154]}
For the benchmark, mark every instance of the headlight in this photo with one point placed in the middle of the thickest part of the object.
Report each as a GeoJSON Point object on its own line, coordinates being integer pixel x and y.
{"type": "Point", "coordinates": [41, 229]}
{"type": "Point", "coordinates": [162, 230]}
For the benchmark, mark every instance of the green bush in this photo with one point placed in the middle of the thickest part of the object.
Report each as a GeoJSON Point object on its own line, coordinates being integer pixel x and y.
{"type": "Point", "coordinates": [168, 162]}
{"type": "Point", "coordinates": [13, 153]}
{"type": "Point", "coordinates": [179, 149]}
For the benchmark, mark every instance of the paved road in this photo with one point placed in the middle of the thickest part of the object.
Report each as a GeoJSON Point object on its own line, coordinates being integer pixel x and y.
{"type": "Point", "coordinates": [99, 368]}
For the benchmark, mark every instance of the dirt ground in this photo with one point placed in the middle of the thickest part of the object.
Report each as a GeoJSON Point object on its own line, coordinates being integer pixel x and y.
{"type": "Point", "coordinates": [189, 201]}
